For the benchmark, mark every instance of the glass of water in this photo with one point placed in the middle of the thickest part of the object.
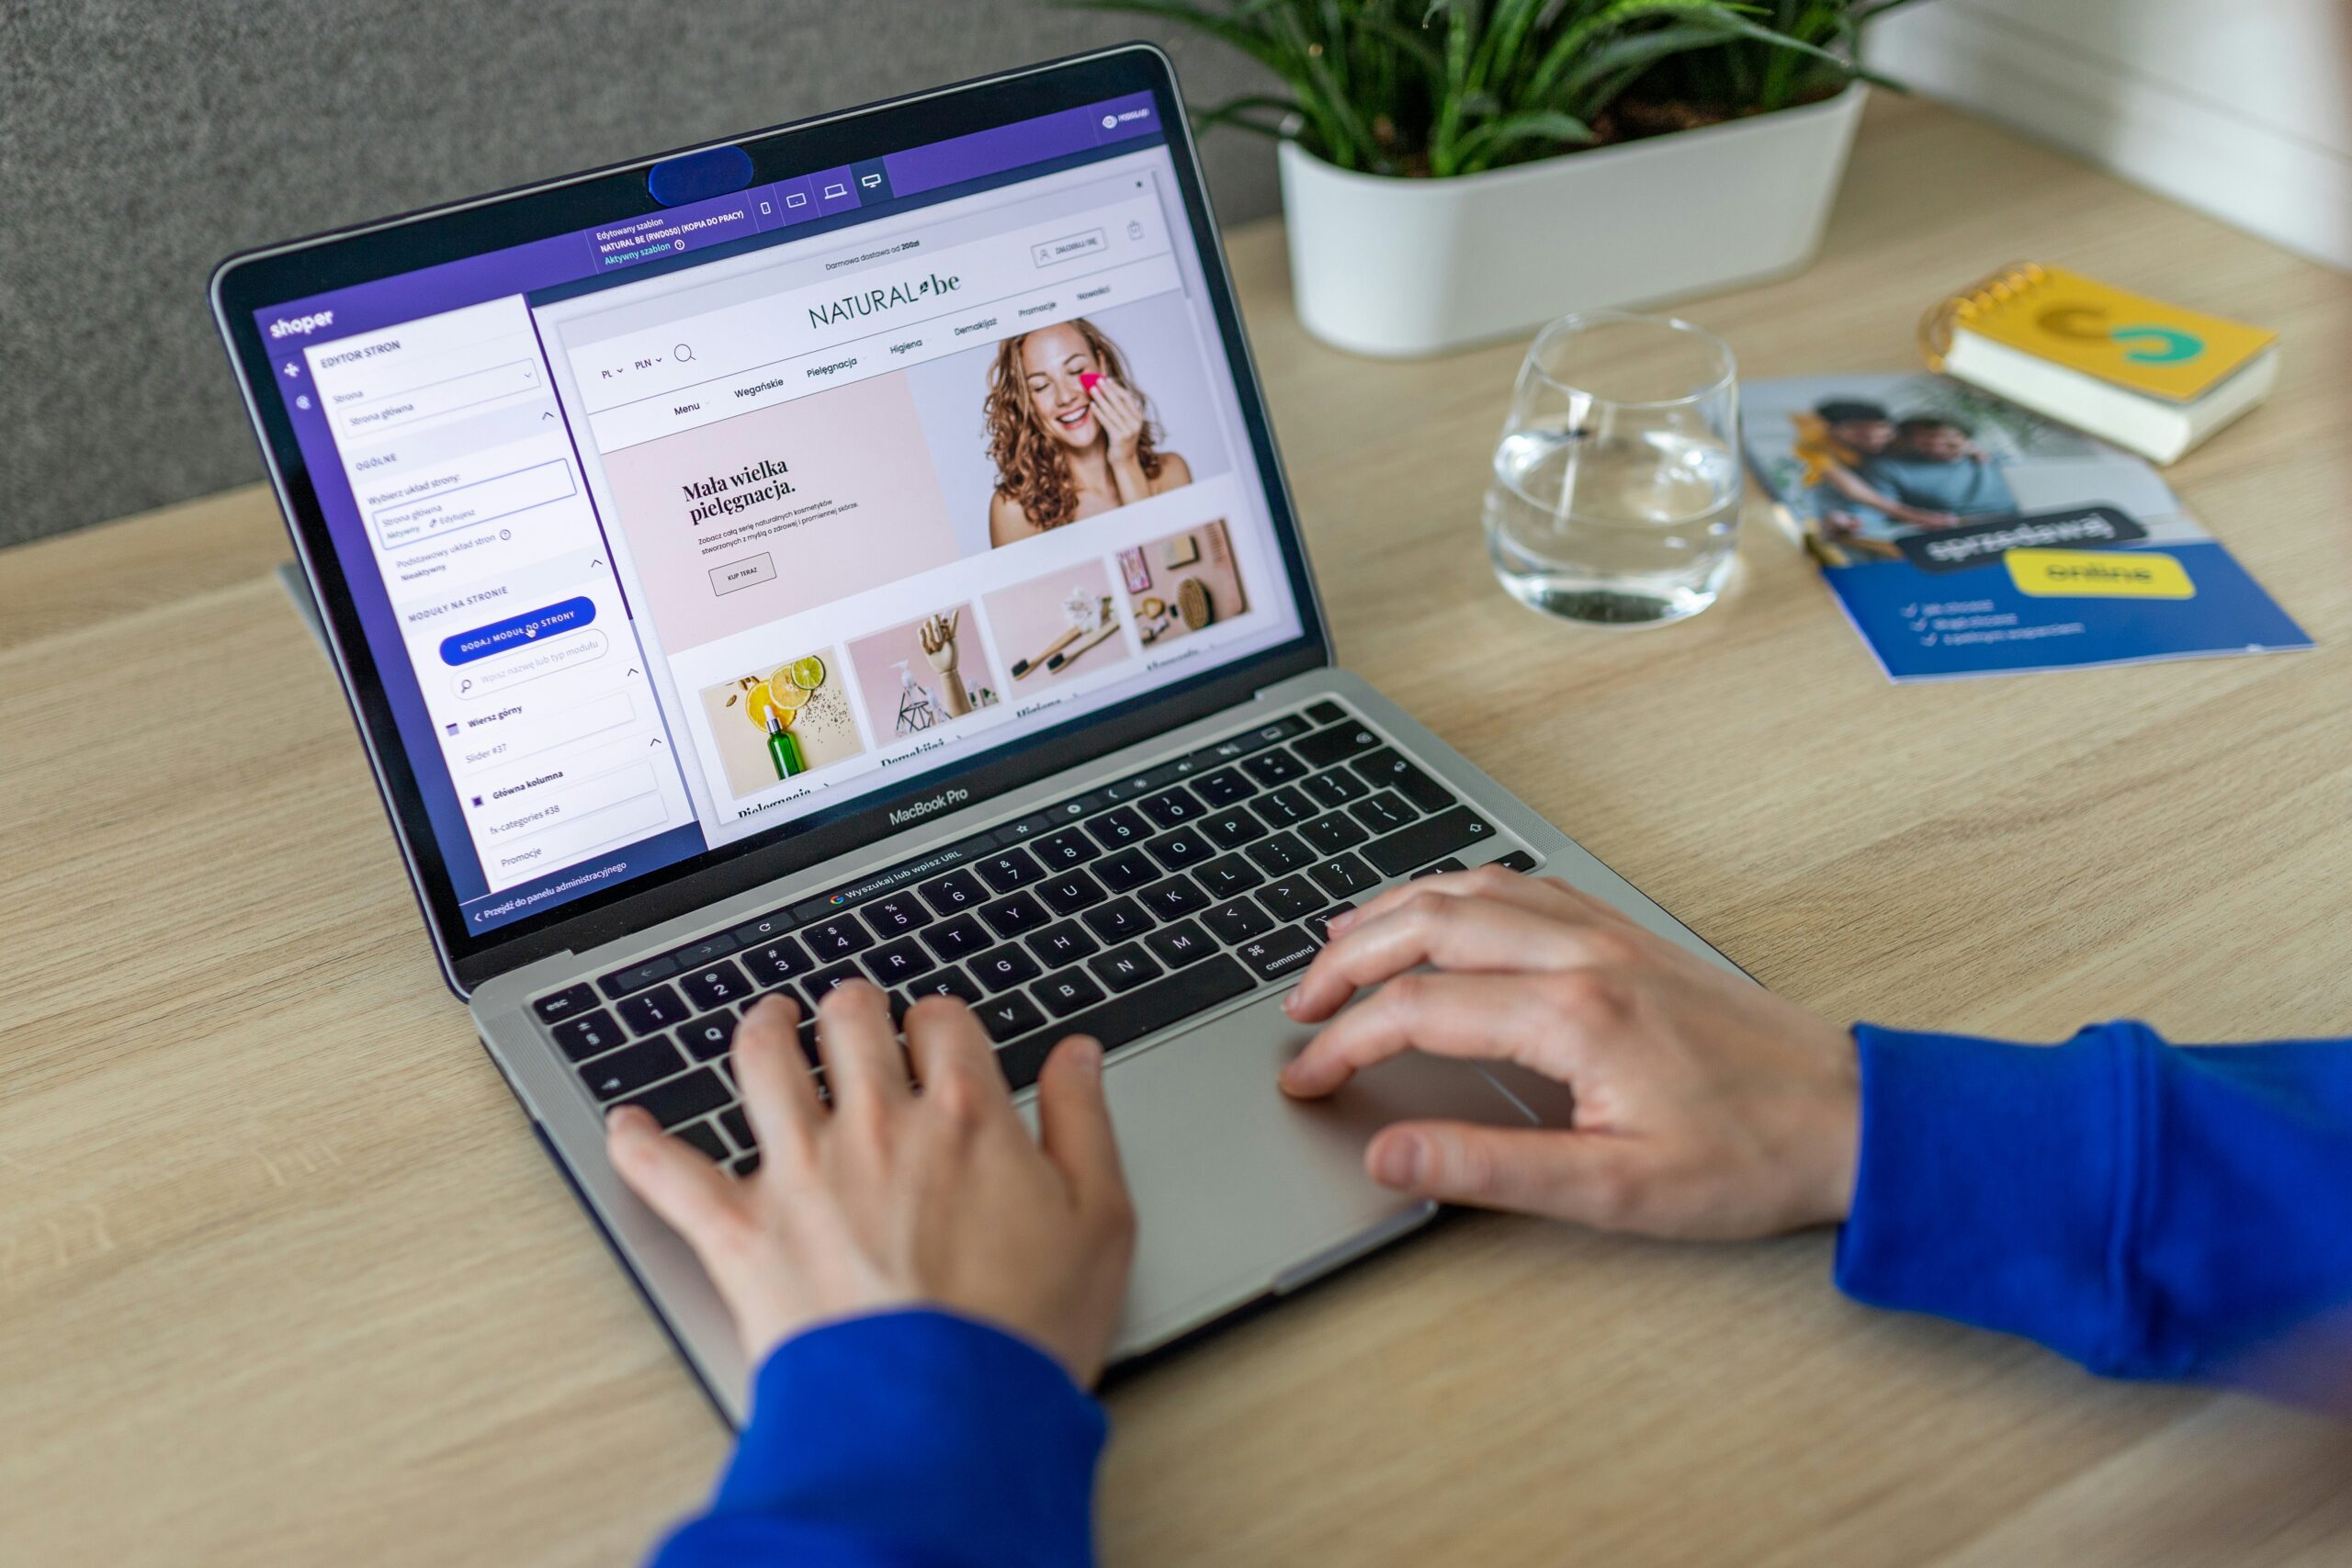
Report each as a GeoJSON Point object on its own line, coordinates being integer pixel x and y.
{"type": "Point", "coordinates": [1616, 496]}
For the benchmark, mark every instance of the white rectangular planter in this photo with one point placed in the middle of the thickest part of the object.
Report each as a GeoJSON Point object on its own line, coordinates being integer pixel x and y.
{"type": "Point", "coordinates": [1395, 267]}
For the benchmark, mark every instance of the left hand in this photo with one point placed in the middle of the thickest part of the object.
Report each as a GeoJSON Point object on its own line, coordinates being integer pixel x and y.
{"type": "Point", "coordinates": [894, 1199]}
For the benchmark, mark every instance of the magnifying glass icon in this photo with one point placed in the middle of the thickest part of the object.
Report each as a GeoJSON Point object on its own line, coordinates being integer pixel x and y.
{"type": "Point", "coordinates": [464, 686]}
{"type": "Point", "coordinates": [683, 353]}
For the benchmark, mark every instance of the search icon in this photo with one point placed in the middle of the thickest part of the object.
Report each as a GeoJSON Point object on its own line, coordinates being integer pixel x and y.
{"type": "Point", "coordinates": [684, 352]}
{"type": "Point", "coordinates": [464, 686]}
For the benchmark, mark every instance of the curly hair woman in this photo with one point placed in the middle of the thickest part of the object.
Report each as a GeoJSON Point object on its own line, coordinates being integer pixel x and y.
{"type": "Point", "coordinates": [1069, 435]}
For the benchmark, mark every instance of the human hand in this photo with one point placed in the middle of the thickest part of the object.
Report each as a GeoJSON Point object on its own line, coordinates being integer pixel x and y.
{"type": "Point", "coordinates": [1120, 413]}
{"type": "Point", "coordinates": [893, 1198]}
{"type": "Point", "coordinates": [1705, 1106]}
{"type": "Point", "coordinates": [1920, 518]}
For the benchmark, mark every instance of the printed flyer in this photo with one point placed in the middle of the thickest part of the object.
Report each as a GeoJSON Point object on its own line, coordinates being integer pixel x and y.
{"type": "Point", "coordinates": [1964, 535]}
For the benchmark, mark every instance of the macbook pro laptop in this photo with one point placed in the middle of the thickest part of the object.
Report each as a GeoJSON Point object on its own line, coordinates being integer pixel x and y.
{"type": "Point", "coordinates": [859, 549]}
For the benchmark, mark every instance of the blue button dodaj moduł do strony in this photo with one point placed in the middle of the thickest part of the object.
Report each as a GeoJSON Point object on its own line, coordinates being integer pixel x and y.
{"type": "Point", "coordinates": [515, 631]}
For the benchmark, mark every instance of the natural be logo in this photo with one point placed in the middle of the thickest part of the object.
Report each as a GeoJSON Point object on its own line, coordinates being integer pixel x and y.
{"type": "Point", "coordinates": [873, 302]}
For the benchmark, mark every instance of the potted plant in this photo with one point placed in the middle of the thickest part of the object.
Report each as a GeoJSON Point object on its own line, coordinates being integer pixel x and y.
{"type": "Point", "coordinates": [1454, 171]}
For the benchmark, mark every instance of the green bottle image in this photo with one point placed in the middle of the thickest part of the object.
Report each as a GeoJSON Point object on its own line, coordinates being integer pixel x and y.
{"type": "Point", "coordinates": [784, 749]}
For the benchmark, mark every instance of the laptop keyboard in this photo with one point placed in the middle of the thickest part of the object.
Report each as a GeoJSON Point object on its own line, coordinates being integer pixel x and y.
{"type": "Point", "coordinates": [1114, 913]}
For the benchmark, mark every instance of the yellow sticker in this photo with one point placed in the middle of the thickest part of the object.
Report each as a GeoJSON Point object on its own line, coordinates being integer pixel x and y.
{"type": "Point", "coordinates": [2100, 574]}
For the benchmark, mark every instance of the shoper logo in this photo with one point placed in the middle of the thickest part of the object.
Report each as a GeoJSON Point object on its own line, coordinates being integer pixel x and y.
{"type": "Point", "coordinates": [301, 326]}
{"type": "Point", "coordinates": [875, 301]}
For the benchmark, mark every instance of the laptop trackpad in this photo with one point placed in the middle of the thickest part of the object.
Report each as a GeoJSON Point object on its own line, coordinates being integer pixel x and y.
{"type": "Point", "coordinates": [1238, 1187]}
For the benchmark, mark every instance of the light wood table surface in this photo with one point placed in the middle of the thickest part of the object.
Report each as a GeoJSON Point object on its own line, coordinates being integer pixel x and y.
{"type": "Point", "coordinates": [284, 1278]}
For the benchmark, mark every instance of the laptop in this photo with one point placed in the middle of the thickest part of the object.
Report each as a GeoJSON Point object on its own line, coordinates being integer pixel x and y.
{"type": "Point", "coordinates": [859, 549]}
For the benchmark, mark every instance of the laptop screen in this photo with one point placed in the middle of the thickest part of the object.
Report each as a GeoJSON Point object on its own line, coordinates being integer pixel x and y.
{"type": "Point", "coordinates": [710, 523]}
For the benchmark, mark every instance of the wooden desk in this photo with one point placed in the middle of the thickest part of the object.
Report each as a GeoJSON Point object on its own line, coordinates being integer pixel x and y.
{"type": "Point", "coordinates": [283, 1279]}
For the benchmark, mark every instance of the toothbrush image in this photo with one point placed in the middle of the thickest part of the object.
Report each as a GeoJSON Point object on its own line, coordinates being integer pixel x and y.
{"type": "Point", "coordinates": [1071, 656]}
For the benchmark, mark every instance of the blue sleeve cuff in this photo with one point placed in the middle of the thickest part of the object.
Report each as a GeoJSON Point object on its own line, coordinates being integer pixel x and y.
{"type": "Point", "coordinates": [1990, 1187]}
{"type": "Point", "coordinates": [914, 1437]}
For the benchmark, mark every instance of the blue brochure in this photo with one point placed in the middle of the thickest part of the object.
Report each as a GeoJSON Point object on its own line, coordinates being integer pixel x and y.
{"type": "Point", "coordinates": [1964, 535]}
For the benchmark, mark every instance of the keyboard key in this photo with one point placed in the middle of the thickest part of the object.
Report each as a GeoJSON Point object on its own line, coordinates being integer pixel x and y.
{"type": "Point", "coordinates": [636, 977]}
{"type": "Point", "coordinates": [748, 1166]}
{"type": "Point", "coordinates": [1144, 1010]}
{"type": "Point", "coordinates": [1325, 712]}
{"type": "Point", "coordinates": [1293, 898]}
{"type": "Point", "coordinates": [1320, 924]}
{"type": "Point", "coordinates": [896, 916]}
{"type": "Point", "coordinates": [1173, 898]}
{"type": "Point", "coordinates": [1125, 967]}
{"type": "Point", "coordinates": [1438, 868]}
{"type": "Point", "coordinates": [1070, 892]}
{"type": "Point", "coordinates": [1170, 806]}
{"type": "Point", "coordinates": [956, 891]}
{"type": "Point", "coordinates": [1181, 943]}
{"type": "Point", "coordinates": [648, 1012]}
{"type": "Point", "coordinates": [824, 980]}
{"type": "Point", "coordinates": [1283, 807]}
{"type": "Point", "coordinates": [695, 954]}
{"type": "Point", "coordinates": [704, 1139]}
{"type": "Point", "coordinates": [569, 1002]}
{"type": "Point", "coordinates": [1033, 827]}
{"type": "Point", "coordinates": [1237, 921]}
{"type": "Point", "coordinates": [948, 982]}
{"type": "Point", "coordinates": [699, 1093]}
{"type": "Point", "coordinates": [1125, 872]}
{"type": "Point", "coordinates": [1224, 787]}
{"type": "Point", "coordinates": [1012, 916]}
{"type": "Point", "coordinates": [587, 1036]}
{"type": "Point", "coordinates": [708, 1037]}
{"type": "Point", "coordinates": [1328, 835]}
{"type": "Point", "coordinates": [1066, 849]}
{"type": "Point", "coordinates": [1517, 859]}
{"type": "Point", "coordinates": [1177, 849]}
{"type": "Point", "coordinates": [1001, 968]}
{"type": "Point", "coordinates": [1274, 767]}
{"type": "Point", "coordinates": [895, 961]}
{"type": "Point", "coordinates": [1232, 828]}
{"type": "Point", "coordinates": [1226, 876]}
{"type": "Point", "coordinates": [1117, 830]}
{"type": "Point", "coordinates": [1334, 786]}
{"type": "Point", "coordinates": [631, 1068]}
{"type": "Point", "coordinates": [738, 1125]}
{"type": "Point", "coordinates": [1383, 813]}
{"type": "Point", "coordinates": [1278, 953]}
{"type": "Point", "coordinates": [1385, 769]}
{"type": "Point", "coordinates": [1009, 869]}
{"type": "Point", "coordinates": [1334, 745]}
{"type": "Point", "coordinates": [1067, 992]}
{"type": "Point", "coordinates": [774, 963]}
{"type": "Point", "coordinates": [959, 937]}
{"type": "Point", "coordinates": [1066, 942]}
{"type": "Point", "coordinates": [1119, 919]}
{"type": "Point", "coordinates": [1283, 852]}
{"type": "Point", "coordinates": [1344, 876]}
{"type": "Point", "coordinates": [715, 987]}
{"type": "Point", "coordinates": [1009, 1017]}
{"type": "Point", "coordinates": [1427, 840]}
{"type": "Point", "coordinates": [838, 937]}
{"type": "Point", "coordinates": [1249, 741]}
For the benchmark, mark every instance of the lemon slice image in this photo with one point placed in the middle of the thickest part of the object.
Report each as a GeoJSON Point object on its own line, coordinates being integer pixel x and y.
{"type": "Point", "coordinates": [806, 673]}
{"type": "Point", "coordinates": [756, 704]}
{"type": "Point", "coordinates": [787, 697]}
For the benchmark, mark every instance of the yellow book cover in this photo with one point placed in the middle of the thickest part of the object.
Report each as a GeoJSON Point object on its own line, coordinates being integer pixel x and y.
{"type": "Point", "coordinates": [2144, 345]}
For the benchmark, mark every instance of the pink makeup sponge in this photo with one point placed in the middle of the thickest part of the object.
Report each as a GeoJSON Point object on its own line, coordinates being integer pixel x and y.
{"type": "Point", "coordinates": [1087, 378]}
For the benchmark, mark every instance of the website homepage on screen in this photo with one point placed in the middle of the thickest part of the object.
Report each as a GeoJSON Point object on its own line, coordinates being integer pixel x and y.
{"type": "Point", "coordinates": [670, 555]}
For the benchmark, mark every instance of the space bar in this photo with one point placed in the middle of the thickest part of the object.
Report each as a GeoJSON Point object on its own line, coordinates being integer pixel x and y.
{"type": "Point", "coordinates": [1130, 1016]}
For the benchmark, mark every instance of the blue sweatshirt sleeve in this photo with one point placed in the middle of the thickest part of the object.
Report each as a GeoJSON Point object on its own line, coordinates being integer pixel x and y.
{"type": "Point", "coordinates": [902, 1439]}
{"type": "Point", "coordinates": [2149, 1211]}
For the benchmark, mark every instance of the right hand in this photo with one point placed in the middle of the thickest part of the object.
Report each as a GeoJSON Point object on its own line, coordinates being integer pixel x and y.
{"type": "Point", "coordinates": [1705, 1106]}
{"type": "Point", "coordinates": [894, 1199]}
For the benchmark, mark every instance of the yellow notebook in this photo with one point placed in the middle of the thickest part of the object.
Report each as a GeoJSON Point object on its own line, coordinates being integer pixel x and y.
{"type": "Point", "coordinates": [2149, 376]}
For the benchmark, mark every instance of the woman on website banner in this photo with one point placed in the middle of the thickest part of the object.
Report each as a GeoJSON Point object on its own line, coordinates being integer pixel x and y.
{"type": "Point", "coordinates": [1070, 433]}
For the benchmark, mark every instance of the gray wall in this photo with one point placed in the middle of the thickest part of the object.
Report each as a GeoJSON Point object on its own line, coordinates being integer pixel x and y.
{"type": "Point", "coordinates": [141, 142]}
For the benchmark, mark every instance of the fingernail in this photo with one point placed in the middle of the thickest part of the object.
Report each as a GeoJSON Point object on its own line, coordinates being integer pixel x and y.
{"type": "Point", "coordinates": [1398, 1161]}
{"type": "Point", "coordinates": [1087, 1057]}
{"type": "Point", "coordinates": [1291, 1002]}
{"type": "Point", "coordinates": [1340, 921]}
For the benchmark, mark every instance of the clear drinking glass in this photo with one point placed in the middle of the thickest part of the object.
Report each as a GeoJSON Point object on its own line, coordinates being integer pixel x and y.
{"type": "Point", "coordinates": [1616, 496]}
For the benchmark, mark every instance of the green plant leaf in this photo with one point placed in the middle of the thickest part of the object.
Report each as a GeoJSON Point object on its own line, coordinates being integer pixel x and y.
{"type": "Point", "coordinates": [1478, 148]}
